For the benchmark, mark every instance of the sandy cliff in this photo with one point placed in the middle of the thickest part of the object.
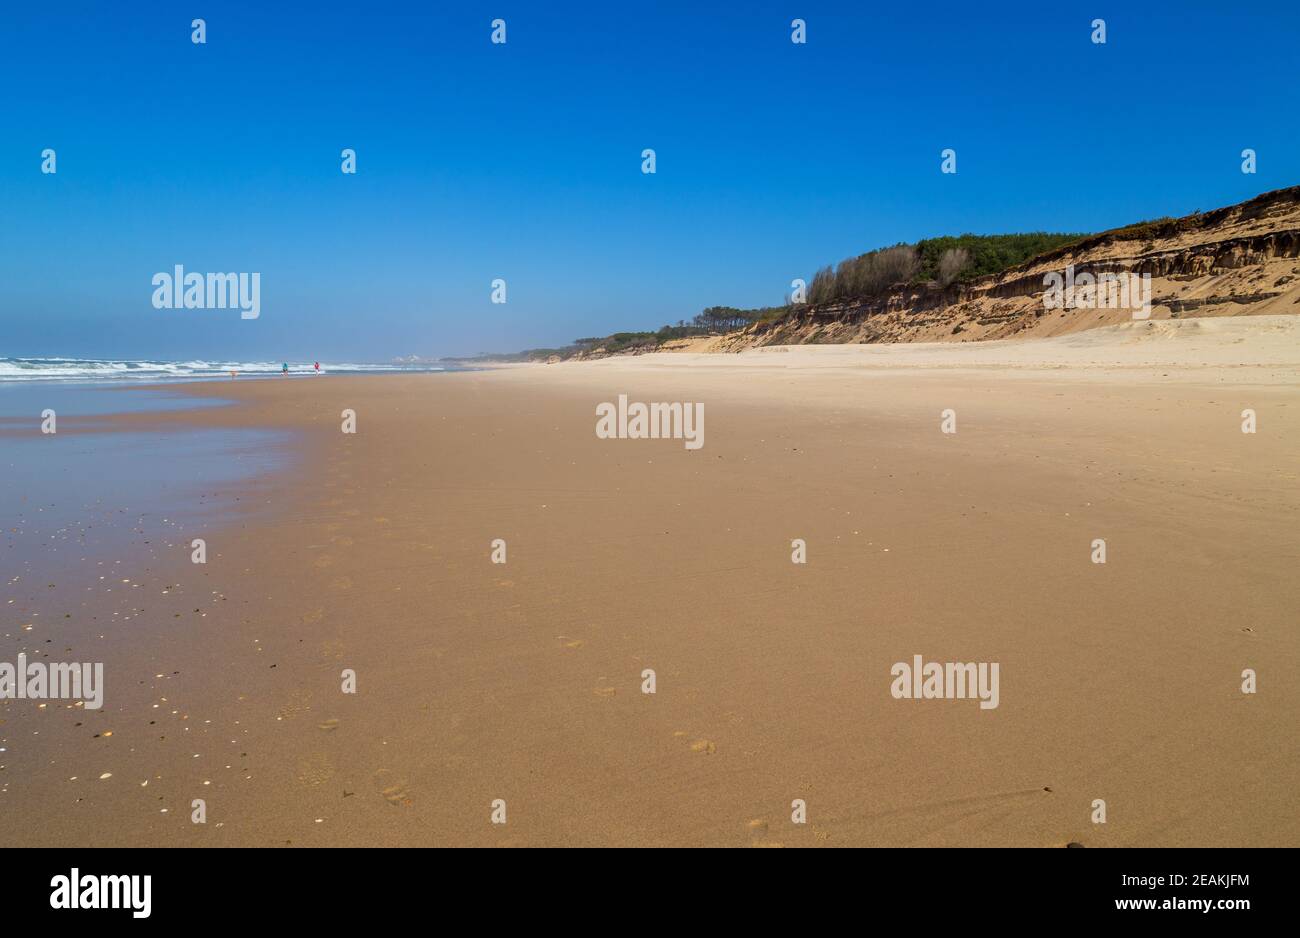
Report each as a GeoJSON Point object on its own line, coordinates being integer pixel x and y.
{"type": "Point", "coordinates": [1234, 261]}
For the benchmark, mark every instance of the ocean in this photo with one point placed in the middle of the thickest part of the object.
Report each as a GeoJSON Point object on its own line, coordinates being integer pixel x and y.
{"type": "Point", "coordinates": [91, 370]}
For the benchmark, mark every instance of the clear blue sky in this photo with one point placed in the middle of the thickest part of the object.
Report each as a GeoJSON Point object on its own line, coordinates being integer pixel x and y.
{"type": "Point", "coordinates": [522, 161]}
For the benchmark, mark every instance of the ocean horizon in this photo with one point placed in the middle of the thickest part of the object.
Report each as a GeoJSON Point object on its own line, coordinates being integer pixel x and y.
{"type": "Point", "coordinates": [102, 370]}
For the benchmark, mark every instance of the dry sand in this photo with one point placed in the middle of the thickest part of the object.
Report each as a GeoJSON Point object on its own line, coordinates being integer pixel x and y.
{"type": "Point", "coordinates": [522, 681]}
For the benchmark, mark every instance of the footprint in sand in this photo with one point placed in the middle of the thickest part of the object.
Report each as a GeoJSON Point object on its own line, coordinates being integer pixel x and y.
{"type": "Point", "coordinates": [605, 691]}
{"type": "Point", "coordinates": [393, 789]}
{"type": "Point", "coordinates": [342, 540]}
{"type": "Point", "coordinates": [328, 725]}
{"type": "Point", "coordinates": [299, 702]}
{"type": "Point", "coordinates": [758, 834]}
{"type": "Point", "coordinates": [571, 642]}
{"type": "Point", "coordinates": [322, 562]}
{"type": "Point", "coordinates": [315, 769]}
{"type": "Point", "coordinates": [705, 746]}
{"type": "Point", "coordinates": [341, 582]}
{"type": "Point", "coordinates": [333, 648]}
{"type": "Point", "coordinates": [310, 618]}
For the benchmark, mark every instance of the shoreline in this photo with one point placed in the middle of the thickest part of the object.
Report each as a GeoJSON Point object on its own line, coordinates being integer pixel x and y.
{"type": "Point", "coordinates": [522, 682]}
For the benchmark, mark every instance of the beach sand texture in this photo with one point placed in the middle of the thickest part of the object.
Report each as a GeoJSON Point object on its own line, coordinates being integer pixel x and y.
{"type": "Point", "coordinates": [479, 681]}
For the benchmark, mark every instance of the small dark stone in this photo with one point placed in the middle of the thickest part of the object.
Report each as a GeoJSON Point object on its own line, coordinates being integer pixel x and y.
{"type": "Point", "coordinates": [1074, 844]}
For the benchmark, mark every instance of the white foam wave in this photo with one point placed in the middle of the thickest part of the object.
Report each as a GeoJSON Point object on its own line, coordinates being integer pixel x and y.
{"type": "Point", "coordinates": [92, 369]}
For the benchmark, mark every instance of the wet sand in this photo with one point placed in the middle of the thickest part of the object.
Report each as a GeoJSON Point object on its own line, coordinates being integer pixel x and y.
{"type": "Point", "coordinates": [479, 681]}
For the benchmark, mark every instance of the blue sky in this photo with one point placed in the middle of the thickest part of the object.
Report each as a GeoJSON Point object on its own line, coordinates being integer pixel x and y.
{"type": "Point", "coordinates": [522, 161]}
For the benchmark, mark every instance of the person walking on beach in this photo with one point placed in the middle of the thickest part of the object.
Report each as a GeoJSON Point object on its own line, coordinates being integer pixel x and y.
{"type": "Point", "coordinates": [318, 368]}
{"type": "Point", "coordinates": [284, 370]}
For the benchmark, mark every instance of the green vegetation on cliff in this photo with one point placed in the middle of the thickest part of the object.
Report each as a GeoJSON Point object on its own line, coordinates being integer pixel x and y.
{"type": "Point", "coordinates": [943, 261]}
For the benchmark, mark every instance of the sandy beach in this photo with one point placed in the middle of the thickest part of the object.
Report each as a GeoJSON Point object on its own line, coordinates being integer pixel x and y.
{"type": "Point", "coordinates": [522, 681]}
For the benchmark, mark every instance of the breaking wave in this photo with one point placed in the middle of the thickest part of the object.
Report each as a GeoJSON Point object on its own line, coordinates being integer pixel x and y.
{"type": "Point", "coordinates": [90, 369]}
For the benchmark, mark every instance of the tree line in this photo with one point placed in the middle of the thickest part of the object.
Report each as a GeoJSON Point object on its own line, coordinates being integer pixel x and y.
{"type": "Point", "coordinates": [943, 261]}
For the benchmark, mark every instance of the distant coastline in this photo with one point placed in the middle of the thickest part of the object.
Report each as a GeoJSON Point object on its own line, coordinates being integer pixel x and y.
{"type": "Point", "coordinates": [88, 370]}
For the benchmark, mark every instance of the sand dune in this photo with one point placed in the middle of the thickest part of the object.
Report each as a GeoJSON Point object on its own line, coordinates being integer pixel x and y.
{"type": "Point", "coordinates": [1181, 343]}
